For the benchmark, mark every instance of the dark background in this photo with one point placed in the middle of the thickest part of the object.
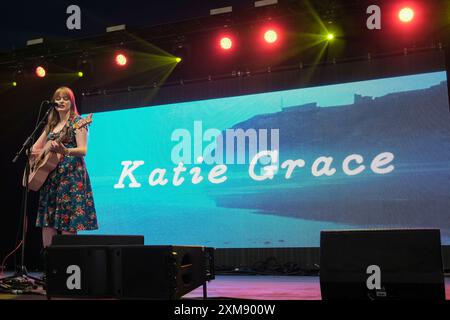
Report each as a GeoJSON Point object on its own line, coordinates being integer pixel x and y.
{"type": "Point", "coordinates": [24, 20]}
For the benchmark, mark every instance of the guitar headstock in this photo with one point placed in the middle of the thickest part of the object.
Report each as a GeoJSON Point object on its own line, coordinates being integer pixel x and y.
{"type": "Point", "coordinates": [83, 122]}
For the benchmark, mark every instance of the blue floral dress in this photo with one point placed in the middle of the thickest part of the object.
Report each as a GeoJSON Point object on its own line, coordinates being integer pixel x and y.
{"type": "Point", "coordinates": [65, 200]}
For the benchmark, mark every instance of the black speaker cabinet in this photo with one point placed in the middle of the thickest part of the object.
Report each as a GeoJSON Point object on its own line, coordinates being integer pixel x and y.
{"type": "Point", "coordinates": [157, 272]}
{"type": "Point", "coordinates": [126, 271]}
{"type": "Point", "coordinates": [77, 271]}
{"type": "Point", "coordinates": [381, 264]}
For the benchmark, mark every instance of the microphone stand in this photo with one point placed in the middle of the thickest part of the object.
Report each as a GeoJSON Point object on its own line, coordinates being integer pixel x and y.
{"type": "Point", "coordinates": [21, 276]}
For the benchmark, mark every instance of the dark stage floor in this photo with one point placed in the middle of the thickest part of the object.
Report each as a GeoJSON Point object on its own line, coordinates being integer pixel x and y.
{"type": "Point", "coordinates": [246, 287]}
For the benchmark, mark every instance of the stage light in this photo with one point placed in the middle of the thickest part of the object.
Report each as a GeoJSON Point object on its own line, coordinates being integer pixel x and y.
{"type": "Point", "coordinates": [34, 42]}
{"type": "Point", "coordinates": [220, 10]}
{"type": "Point", "coordinates": [270, 36]}
{"type": "Point", "coordinates": [40, 72]}
{"type": "Point", "coordinates": [330, 36]}
{"type": "Point", "coordinates": [181, 52]}
{"type": "Point", "coordinates": [120, 27]}
{"type": "Point", "coordinates": [18, 75]}
{"type": "Point", "coordinates": [84, 66]}
{"type": "Point", "coordinates": [121, 60]}
{"type": "Point", "coordinates": [406, 15]}
{"type": "Point", "coordinates": [226, 43]}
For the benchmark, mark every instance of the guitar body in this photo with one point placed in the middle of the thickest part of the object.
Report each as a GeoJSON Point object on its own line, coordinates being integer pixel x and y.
{"type": "Point", "coordinates": [41, 168]}
{"type": "Point", "coordinates": [47, 161]}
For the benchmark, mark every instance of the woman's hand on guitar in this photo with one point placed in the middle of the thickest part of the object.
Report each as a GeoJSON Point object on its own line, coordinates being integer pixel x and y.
{"type": "Point", "coordinates": [34, 153]}
{"type": "Point", "coordinates": [57, 147]}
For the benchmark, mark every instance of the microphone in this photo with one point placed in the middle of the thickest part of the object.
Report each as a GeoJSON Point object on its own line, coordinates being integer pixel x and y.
{"type": "Point", "coordinates": [51, 104]}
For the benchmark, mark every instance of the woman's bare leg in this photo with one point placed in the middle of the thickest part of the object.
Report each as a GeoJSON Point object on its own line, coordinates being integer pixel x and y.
{"type": "Point", "coordinates": [47, 236]}
{"type": "Point", "coordinates": [73, 233]}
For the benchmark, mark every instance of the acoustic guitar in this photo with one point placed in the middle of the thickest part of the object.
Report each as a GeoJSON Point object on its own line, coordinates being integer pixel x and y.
{"type": "Point", "coordinates": [47, 161]}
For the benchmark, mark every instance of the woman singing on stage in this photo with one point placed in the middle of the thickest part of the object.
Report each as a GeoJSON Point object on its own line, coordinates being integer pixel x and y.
{"type": "Point", "coordinates": [66, 203]}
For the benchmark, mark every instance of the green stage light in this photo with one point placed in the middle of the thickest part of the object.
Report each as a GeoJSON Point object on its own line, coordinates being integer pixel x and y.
{"type": "Point", "coordinates": [14, 84]}
{"type": "Point", "coordinates": [80, 74]}
{"type": "Point", "coordinates": [177, 59]}
{"type": "Point", "coordinates": [330, 36]}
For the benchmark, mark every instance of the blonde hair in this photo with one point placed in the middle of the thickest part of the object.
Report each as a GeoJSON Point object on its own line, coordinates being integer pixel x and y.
{"type": "Point", "coordinates": [53, 117]}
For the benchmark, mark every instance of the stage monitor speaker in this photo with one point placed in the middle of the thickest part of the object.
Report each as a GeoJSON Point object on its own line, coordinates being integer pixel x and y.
{"type": "Point", "coordinates": [381, 264]}
{"type": "Point", "coordinates": [77, 271]}
{"type": "Point", "coordinates": [157, 272]}
{"type": "Point", "coordinates": [128, 271]}
{"type": "Point", "coordinates": [98, 240]}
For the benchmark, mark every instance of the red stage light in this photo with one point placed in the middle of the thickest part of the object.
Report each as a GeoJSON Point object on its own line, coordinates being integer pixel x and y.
{"type": "Point", "coordinates": [406, 15]}
{"type": "Point", "coordinates": [270, 36]}
{"type": "Point", "coordinates": [226, 43]}
{"type": "Point", "coordinates": [40, 72]}
{"type": "Point", "coordinates": [121, 60]}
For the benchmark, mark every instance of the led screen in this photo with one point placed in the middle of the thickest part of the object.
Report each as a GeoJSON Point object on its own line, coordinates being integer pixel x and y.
{"type": "Point", "coordinates": [274, 169]}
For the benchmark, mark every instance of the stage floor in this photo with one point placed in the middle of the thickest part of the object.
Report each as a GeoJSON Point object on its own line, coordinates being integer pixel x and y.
{"type": "Point", "coordinates": [244, 287]}
{"type": "Point", "coordinates": [269, 288]}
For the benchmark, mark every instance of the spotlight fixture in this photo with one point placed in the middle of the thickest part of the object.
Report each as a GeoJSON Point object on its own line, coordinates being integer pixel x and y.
{"type": "Point", "coordinates": [120, 27]}
{"type": "Point", "coordinates": [18, 75]}
{"type": "Point", "coordinates": [34, 42]}
{"type": "Point", "coordinates": [181, 51]}
{"type": "Point", "coordinates": [222, 10]}
{"type": "Point", "coordinates": [121, 60]}
{"type": "Point", "coordinates": [263, 3]}
{"type": "Point", "coordinates": [226, 43]}
{"type": "Point", "coordinates": [84, 66]}
{"type": "Point", "coordinates": [406, 15]}
{"type": "Point", "coordinates": [270, 36]}
{"type": "Point", "coordinates": [40, 71]}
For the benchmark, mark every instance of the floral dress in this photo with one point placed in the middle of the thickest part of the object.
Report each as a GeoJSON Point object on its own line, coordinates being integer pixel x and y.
{"type": "Point", "coordinates": [65, 200]}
